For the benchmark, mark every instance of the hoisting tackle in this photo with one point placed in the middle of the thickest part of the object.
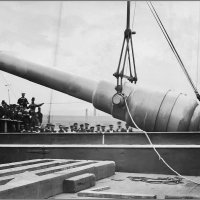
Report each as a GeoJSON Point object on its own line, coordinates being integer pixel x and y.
{"type": "Point", "coordinates": [127, 53]}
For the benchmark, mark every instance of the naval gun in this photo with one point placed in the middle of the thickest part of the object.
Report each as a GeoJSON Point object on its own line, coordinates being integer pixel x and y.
{"type": "Point", "coordinates": [152, 111]}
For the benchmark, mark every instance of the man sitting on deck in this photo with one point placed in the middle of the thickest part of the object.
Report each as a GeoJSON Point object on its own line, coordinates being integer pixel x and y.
{"type": "Point", "coordinates": [48, 128]}
{"type": "Point", "coordinates": [87, 130]}
{"type": "Point", "coordinates": [103, 129]}
{"type": "Point", "coordinates": [81, 129]}
{"type": "Point", "coordinates": [61, 130]}
{"type": "Point", "coordinates": [72, 129]}
{"type": "Point", "coordinates": [66, 129]}
{"type": "Point", "coordinates": [98, 128]}
{"type": "Point", "coordinates": [92, 129]}
{"type": "Point", "coordinates": [128, 129]}
{"type": "Point", "coordinates": [110, 130]}
{"type": "Point", "coordinates": [119, 127]}
{"type": "Point", "coordinates": [75, 129]}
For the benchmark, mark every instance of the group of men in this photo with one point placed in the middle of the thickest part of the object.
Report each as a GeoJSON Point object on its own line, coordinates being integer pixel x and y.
{"type": "Point", "coordinates": [85, 128]}
{"type": "Point", "coordinates": [32, 119]}
{"type": "Point", "coordinates": [35, 118]}
{"type": "Point", "coordinates": [24, 112]}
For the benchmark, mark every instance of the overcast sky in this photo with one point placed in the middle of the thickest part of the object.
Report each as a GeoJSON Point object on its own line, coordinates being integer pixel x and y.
{"type": "Point", "coordinates": [91, 35]}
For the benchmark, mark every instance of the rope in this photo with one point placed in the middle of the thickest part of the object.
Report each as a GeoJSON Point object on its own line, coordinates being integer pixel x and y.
{"type": "Point", "coordinates": [155, 150]}
{"type": "Point", "coordinates": [160, 24]}
{"type": "Point", "coordinates": [159, 180]}
{"type": "Point", "coordinates": [56, 53]}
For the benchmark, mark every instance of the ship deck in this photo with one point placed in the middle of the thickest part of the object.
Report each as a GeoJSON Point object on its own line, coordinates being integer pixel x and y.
{"type": "Point", "coordinates": [119, 186]}
{"type": "Point", "coordinates": [68, 179]}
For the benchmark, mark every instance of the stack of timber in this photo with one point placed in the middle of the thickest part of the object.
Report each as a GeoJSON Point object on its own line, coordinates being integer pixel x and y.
{"type": "Point", "coordinates": [43, 178]}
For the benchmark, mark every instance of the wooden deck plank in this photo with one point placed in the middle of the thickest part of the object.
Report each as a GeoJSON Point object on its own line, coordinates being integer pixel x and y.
{"type": "Point", "coordinates": [21, 163]}
{"type": "Point", "coordinates": [78, 183]}
{"type": "Point", "coordinates": [28, 167]}
{"type": "Point", "coordinates": [51, 184]}
{"type": "Point", "coordinates": [115, 195]}
{"type": "Point", "coordinates": [39, 172]}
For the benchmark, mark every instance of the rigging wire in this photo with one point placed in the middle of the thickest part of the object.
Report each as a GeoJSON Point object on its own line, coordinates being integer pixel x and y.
{"type": "Point", "coordinates": [198, 35]}
{"type": "Point", "coordinates": [160, 24]}
{"type": "Point", "coordinates": [56, 52]}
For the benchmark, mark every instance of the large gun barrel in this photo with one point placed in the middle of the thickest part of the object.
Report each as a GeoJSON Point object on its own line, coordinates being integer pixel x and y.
{"type": "Point", "coordinates": [153, 111]}
{"type": "Point", "coordinates": [75, 86]}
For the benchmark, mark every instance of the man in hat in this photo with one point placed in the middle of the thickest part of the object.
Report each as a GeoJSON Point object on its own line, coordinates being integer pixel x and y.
{"type": "Point", "coordinates": [47, 128]}
{"type": "Point", "coordinates": [110, 130]}
{"type": "Point", "coordinates": [75, 129]}
{"type": "Point", "coordinates": [92, 129]}
{"type": "Point", "coordinates": [52, 128]}
{"type": "Point", "coordinates": [72, 129]}
{"type": "Point", "coordinates": [33, 105]}
{"type": "Point", "coordinates": [119, 127]}
{"type": "Point", "coordinates": [22, 101]}
{"type": "Point", "coordinates": [61, 130]}
{"type": "Point", "coordinates": [103, 129]}
{"type": "Point", "coordinates": [98, 130]}
{"type": "Point", "coordinates": [81, 129]}
{"type": "Point", "coordinates": [66, 129]}
{"type": "Point", "coordinates": [128, 129]}
{"type": "Point", "coordinates": [87, 130]}
{"type": "Point", "coordinates": [5, 109]}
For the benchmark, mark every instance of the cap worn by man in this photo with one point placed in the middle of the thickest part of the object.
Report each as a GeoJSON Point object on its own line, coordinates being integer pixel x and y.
{"type": "Point", "coordinates": [98, 130]}
{"type": "Point", "coordinates": [92, 129]}
{"type": "Point", "coordinates": [111, 129]}
{"type": "Point", "coordinates": [103, 129]}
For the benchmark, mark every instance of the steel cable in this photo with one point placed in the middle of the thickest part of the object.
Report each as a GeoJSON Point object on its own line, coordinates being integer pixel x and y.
{"type": "Point", "coordinates": [160, 24]}
{"type": "Point", "coordinates": [56, 52]}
